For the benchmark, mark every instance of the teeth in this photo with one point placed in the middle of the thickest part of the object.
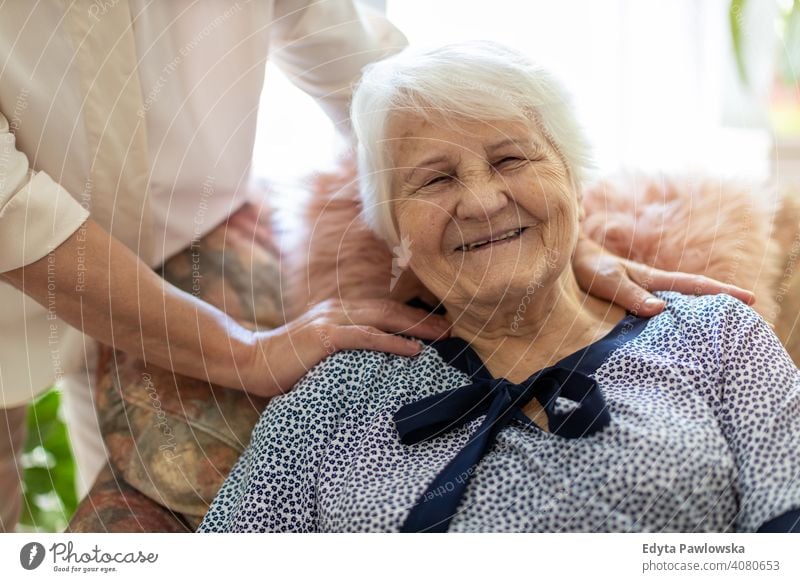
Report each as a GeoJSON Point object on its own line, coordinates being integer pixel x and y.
{"type": "Point", "coordinates": [509, 234]}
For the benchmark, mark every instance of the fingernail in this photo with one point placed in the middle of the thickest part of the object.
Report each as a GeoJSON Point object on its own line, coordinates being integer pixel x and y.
{"type": "Point", "coordinates": [653, 302]}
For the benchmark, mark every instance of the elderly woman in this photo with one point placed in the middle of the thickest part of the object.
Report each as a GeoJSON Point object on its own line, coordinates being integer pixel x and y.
{"type": "Point", "coordinates": [547, 409]}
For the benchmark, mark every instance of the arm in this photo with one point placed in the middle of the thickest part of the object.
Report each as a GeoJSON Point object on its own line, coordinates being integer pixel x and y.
{"type": "Point", "coordinates": [628, 283]}
{"type": "Point", "coordinates": [322, 47]}
{"type": "Point", "coordinates": [758, 409]}
{"type": "Point", "coordinates": [99, 286]}
{"type": "Point", "coordinates": [51, 252]}
{"type": "Point", "coordinates": [55, 254]}
{"type": "Point", "coordinates": [119, 301]}
{"type": "Point", "coordinates": [36, 214]}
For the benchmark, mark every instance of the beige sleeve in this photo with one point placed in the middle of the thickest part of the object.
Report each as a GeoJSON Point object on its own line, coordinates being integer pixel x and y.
{"type": "Point", "coordinates": [36, 213]}
{"type": "Point", "coordinates": [322, 47]}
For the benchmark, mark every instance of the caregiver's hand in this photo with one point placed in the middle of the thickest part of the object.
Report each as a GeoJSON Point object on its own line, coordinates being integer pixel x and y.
{"type": "Point", "coordinates": [283, 355]}
{"type": "Point", "coordinates": [628, 284]}
{"type": "Point", "coordinates": [94, 283]}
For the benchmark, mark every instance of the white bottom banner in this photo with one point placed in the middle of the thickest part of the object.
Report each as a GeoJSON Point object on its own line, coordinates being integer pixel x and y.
{"type": "Point", "coordinates": [228, 558]}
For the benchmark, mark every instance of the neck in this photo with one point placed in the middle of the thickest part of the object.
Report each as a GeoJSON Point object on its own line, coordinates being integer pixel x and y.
{"type": "Point", "coordinates": [520, 335]}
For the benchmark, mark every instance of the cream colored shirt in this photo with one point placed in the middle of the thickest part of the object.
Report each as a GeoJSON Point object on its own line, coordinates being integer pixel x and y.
{"type": "Point", "coordinates": [143, 114]}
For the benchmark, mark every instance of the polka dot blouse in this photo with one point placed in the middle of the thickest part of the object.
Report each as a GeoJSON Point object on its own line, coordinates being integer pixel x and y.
{"type": "Point", "coordinates": [704, 435]}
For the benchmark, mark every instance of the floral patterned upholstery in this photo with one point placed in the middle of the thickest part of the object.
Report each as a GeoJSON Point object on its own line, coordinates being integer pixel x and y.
{"type": "Point", "coordinates": [114, 506]}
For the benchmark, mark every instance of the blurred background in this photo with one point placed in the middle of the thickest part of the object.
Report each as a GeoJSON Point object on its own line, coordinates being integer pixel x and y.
{"type": "Point", "coordinates": [677, 85]}
{"type": "Point", "coordinates": [672, 86]}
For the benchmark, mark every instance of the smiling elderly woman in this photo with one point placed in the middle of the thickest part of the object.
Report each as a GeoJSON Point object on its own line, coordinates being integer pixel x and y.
{"type": "Point", "coordinates": [547, 409]}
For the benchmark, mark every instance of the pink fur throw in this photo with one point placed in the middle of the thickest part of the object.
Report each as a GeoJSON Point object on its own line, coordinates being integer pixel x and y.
{"type": "Point", "coordinates": [702, 226]}
{"type": "Point", "coordinates": [335, 255]}
{"type": "Point", "coordinates": [716, 228]}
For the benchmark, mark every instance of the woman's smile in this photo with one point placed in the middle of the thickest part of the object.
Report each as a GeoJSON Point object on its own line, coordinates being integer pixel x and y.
{"type": "Point", "coordinates": [503, 240]}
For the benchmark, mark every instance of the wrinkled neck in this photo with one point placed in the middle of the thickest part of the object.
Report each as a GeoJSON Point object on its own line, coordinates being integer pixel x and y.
{"type": "Point", "coordinates": [523, 334]}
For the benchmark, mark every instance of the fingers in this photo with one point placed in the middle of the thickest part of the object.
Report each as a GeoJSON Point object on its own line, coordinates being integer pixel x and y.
{"type": "Point", "coordinates": [700, 285]}
{"type": "Point", "coordinates": [392, 316]}
{"type": "Point", "coordinates": [742, 295]}
{"type": "Point", "coordinates": [658, 280]}
{"type": "Point", "coordinates": [636, 299]}
{"type": "Point", "coordinates": [280, 357]}
{"type": "Point", "coordinates": [399, 318]}
{"type": "Point", "coordinates": [606, 276]}
{"type": "Point", "coordinates": [365, 337]}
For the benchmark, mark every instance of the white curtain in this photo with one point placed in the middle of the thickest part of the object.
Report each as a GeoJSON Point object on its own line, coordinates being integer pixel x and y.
{"type": "Point", "coordinates": [654, 80]}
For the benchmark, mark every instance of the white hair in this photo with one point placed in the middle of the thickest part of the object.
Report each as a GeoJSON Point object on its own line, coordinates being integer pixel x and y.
{"type": "Point", "coordinates": [479, 80]}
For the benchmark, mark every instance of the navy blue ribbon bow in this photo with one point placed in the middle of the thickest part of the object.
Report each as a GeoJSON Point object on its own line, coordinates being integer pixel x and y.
{"type": "Point", "coordinates": [501, 401]}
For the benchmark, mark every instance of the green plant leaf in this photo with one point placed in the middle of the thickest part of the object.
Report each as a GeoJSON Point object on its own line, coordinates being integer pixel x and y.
{"type": "Point", "coordinates": [38, 481]}
{"type": "Point", "coordinates": [49, 497]}
{"type": "Point", "coordinates": [42, 416]}
{"type": "Point", "coordinates": [735, 19]}
{"type": "Point", "coordinates": [790, 49]}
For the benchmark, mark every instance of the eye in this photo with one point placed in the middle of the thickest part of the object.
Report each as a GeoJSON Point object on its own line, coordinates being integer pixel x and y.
{"type": "Point", "coordinates": [509, 162]}
{"type": "Point", "coordinates": [437, 181]}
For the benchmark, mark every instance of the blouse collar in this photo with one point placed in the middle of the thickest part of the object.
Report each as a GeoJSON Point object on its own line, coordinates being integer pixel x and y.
{"type": "Point", "coordinates": [459, 353]}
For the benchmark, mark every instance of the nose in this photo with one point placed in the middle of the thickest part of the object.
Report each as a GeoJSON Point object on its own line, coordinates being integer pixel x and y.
{"type": "Point", "coordinates": [481, 201]}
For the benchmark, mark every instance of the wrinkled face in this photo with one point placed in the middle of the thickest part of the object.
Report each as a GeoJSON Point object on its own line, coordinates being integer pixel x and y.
{"type": "Point", "coordinates": [487, 207]}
